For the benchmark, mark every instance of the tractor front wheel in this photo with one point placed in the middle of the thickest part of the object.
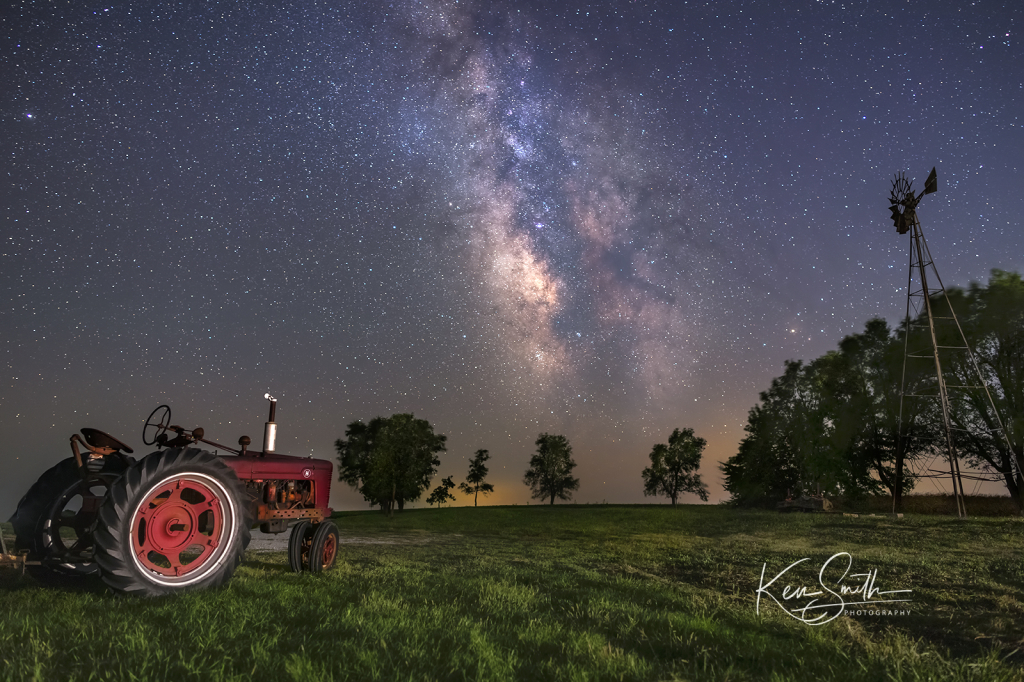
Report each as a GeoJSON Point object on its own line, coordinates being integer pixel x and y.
{"type": "Point", "coordinates": [298, 545]}
{"type": "Point", "coordinates": [324, 550]}
{"type": "Point", "coordinates": [177, 520]}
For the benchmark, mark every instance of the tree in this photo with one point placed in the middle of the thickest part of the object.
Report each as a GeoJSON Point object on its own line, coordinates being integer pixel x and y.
{"type": "Point", "coordinates": [832, 426]}
{"type": "Point", "coordinates": [992, 318]}
{"type": "Point", "coordinates": [389, 461]}
{"type": "Point", "coordinates": [673, 467]}
{"type": "Point", "coordinates": [868, 417]}
{"type": "Point", "coordinates": [474, 483]}
{"type": "Point", "coordinates": [440, 494]}
{"type": "Point", "coordinates": [550, 472]}
{"type": "Point", "coordinates": [839, 424]}
{"type": "Point", "coordinates": [356, 450]}
{"type": "Point", "coordinates": [767, 466]}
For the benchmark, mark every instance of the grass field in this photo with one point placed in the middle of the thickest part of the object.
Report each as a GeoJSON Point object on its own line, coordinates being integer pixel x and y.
{"type": "Point", "coordinates": [976, 505]}
{"type": "Point", "coordinates": [554, 593]}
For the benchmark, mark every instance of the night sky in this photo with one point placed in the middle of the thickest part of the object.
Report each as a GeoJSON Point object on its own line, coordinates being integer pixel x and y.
{"type": "Point", "coordinates": [605, 221]}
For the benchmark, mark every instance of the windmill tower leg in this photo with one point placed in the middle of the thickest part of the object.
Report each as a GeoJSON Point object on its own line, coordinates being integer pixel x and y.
{"type": "Point", "coordinates": [954, 467]}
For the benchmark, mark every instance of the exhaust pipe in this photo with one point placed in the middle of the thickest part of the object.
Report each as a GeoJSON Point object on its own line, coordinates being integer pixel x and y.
{"type": "Point", "coordinates": [270, 430]}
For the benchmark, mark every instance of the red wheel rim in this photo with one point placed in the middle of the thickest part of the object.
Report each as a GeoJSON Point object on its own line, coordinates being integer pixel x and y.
{"type": "Point", "coordinates": [330, 550]}
{"type": "Point", "coordinates": [178, 527]}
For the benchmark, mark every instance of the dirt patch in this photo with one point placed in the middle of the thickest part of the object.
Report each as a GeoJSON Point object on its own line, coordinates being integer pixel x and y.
{"type": "Point", "coordinates": [278, 542]}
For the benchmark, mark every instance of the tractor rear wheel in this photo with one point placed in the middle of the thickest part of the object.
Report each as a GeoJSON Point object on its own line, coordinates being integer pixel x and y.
{"type": "Point", "coordinates": [177, 520]}
{"type": "Point", "coordinates": [324, 550]}
{"type": "Point", "coordinates": [54, 519]}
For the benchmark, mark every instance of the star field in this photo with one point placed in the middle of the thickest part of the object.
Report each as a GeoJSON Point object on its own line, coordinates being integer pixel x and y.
{"type": "Point", "coordinates": [601, 220]}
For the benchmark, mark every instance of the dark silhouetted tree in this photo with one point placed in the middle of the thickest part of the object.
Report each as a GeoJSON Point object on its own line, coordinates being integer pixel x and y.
{"type": "Point", "coordinates": [832, 426]}
{"type": "Point", "coordinates": [474, 483]}
{"type": "Point", "coordinates": [866, 415]}
{"type": "Point", "coordinates": [767, 466]}
{"type": "Point", "coordinates": [835, 424]}
{"type": "Point", "coordinates": [673, 469]}
{"type": "Point", "coordinates": [550, 472]}
{"type": "Point", "coordinates": [441, 493]}
{"type": "Point", "coordinates": [992, 318]}
{"type": "Point", "coordinates": [389, 461]}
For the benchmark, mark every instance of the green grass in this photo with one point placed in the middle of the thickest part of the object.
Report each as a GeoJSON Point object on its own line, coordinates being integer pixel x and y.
{"type": "Point", "coordinates": [552, 593]}
{"type": "Point", "coordinates": [976, 505]}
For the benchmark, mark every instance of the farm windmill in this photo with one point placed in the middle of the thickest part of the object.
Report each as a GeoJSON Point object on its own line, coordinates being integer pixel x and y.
{"type": "Point", "coordinates": [920, 299]}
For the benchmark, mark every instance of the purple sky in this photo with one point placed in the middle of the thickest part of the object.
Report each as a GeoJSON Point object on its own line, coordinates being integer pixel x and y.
{"type": "Point", "coordinates": [605, 221]}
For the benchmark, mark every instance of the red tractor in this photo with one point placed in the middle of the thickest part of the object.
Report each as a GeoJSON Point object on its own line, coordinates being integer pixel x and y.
{"type": "Point", "coordinates": [179, 518]}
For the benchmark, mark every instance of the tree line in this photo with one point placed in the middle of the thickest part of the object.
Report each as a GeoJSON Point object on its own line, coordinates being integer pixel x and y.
{"type": "Point", "coordinates": [834, 425]}
{"type": "Point", "coordinates": [391, 461]}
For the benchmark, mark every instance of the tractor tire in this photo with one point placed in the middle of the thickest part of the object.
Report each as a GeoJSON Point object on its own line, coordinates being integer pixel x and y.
{"type": "Point", "coordinates": [324, 550]}
{"type": "Point", "coordinates": [298, 545]}
{"type": "Point", "coordinates": [57, 500]}
{"type": "Point", "coordinates": [178, 520]}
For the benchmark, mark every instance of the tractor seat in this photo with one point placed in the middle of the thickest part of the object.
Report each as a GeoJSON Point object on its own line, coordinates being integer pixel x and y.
{"type": "Point", "coordinates": [98, 439]}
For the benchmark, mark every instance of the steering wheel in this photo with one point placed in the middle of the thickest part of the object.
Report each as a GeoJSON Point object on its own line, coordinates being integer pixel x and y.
{"type": "Point", "coordinates": [159, 420]}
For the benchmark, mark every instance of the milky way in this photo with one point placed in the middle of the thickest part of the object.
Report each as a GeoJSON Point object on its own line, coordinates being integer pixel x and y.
{"type": "Point", "coordinates": [565, 202]}
{"type": "Point", "coordinates": [606, 221]}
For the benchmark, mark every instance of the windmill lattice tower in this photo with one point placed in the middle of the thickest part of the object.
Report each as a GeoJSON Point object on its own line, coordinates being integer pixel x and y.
{"type": "Point", "coordinates": [921, 297]}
